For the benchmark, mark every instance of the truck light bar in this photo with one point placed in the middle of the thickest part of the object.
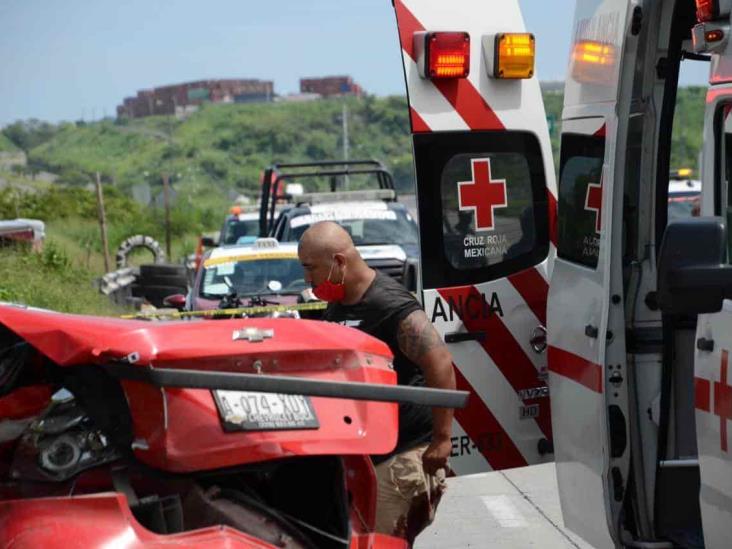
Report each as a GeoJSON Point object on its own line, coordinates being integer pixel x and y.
{"type": "Point", "coordinates": [442, 55]}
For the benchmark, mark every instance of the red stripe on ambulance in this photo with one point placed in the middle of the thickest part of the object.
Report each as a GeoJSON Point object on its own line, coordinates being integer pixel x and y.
{"type": "Point", "coordinates": [502, 348]}
{"type": "Point", "coordinates": [476, 420]}
{"type": "Point", "coordinates": [533, 289]}
{"type": "Point", "coordinates": [576, 368]}
{"type": "Point", "coordinates": [460, 93]}
{"type": "Point", "coordinates": [701, 394]}
{"type": "Point", "coordinates": [469, 104]}
{"type": "Point", "coordinates": [418, 123]}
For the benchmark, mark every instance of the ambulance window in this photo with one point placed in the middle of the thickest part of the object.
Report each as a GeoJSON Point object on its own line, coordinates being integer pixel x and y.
{"type": "Point", "coordinates": [580, 198]}
{"type": "Point", "coordinates": [486, 195]}
{"type": "Point", "coordinates": [488, 213]}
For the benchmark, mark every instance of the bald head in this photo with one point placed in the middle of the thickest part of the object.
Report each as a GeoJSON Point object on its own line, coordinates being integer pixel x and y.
{"type": "Point", "coordinates": [325, 239]}
{"type": "Point", "coordinates": [327, 252]}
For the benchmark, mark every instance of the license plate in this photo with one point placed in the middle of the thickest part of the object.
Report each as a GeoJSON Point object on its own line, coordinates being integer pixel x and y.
{"type": "Point", "coordinates": [254, 411]}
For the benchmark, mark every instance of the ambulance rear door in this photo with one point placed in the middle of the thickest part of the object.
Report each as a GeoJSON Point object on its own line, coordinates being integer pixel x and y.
{"type": "Point", "coordinates": [586, 324]}
{"type": "Point", "coordinates": [712, 375]}
{"type": "Point", "coordinates": [485, 192]}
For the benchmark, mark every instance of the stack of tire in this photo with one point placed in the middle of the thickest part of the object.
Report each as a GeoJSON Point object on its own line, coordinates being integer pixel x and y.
{"type": "Point", "coordinates": [160, 280]}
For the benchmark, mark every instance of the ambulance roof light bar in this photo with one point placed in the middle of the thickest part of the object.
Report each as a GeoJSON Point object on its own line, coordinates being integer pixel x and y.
{"type": "Point", "coordinates": [442, 55]}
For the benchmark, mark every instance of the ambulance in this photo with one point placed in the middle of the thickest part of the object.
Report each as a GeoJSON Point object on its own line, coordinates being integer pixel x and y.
{"type": "Point", "coordinates": [588, 329]}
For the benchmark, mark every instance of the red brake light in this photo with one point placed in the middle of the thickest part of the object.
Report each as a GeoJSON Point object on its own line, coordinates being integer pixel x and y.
{"type": "Point", "coordinates": [706, 10]}
{"type": "Point", "coordinates": [448, 54]}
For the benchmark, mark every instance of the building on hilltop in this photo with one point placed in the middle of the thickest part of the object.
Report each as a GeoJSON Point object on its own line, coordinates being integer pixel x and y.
{"type": "Point", "coordinates": [330, 86]}
{"type": "Point", "coordinates": [178, 99]}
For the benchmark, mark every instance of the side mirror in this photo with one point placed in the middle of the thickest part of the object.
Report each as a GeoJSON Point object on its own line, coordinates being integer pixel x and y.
{"type": "Point", "coordinates": [208, 242]}
{"type": "Point", "coordinates": [693, 277]}
{"type": "Point", "coordinates": [177, 301]}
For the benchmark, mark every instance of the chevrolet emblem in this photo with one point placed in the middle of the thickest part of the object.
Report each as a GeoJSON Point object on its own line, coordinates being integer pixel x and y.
{"type": "Point", "coordinates": [255, 335]}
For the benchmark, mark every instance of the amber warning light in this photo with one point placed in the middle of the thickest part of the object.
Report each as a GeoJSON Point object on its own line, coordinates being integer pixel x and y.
{"type": "Point", "coordinates": [515, 53]}
{"type": "Point", "coordinates": [593, 62]}
{"type": "Point", "coordinates": [442, 54]}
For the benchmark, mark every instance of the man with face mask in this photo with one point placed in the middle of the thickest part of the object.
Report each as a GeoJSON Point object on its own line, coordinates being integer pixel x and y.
{"type": "Point", "coordinates": [411, 478]}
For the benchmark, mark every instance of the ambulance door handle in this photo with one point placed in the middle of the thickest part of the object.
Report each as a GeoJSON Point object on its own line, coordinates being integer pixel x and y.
{"type": "Point", "coordinates": [591, 331]}
{"type": "Point", "coordinates": [457, 337]}
{"type": "Point", "coordinates": [704, 344]}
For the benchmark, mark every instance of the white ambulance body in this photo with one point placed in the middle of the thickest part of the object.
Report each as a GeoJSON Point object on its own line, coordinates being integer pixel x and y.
{"type": "Point", "coordinates": [638, 371]}
{"type": "Point", "coordinates": [485, 180]}
{"type": "Point", "coordinates": [638, 376]}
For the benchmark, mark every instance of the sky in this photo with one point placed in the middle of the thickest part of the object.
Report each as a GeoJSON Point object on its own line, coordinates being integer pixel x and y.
{"type": "Point", "coordinates": [77, 59]}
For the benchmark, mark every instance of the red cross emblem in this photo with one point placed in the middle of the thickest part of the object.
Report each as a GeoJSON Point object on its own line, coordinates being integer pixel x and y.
{"type": "Point", "coordinates": [593, 202]}
{"type": "Point", "coordinates": [482, 195]}
{"type": "Point", "coordinates": [723, 401]}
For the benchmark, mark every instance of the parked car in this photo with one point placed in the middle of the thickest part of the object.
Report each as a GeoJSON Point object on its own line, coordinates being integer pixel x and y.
{"type": "Point", "coordinates": [384, 232]}
{"type": "Point", "coordinates": [265, 272]}
{"type": "Point", "coordinates": [240, 226]}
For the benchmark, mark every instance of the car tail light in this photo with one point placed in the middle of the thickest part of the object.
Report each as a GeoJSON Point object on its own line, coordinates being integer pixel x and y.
{"type": "Point", "coordinates": [443, 55]}
{"type": "Point", "coordinates": [515, 53]}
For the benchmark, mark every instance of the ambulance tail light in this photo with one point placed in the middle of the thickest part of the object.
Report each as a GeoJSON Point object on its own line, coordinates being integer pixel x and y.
{"type": "Point", "coordinates": [442, 55]}
{"type": "Point", "coordinates": [514, 55]}
{"type": "Point", "coordinates": [710, 37]}
{"type": "Point", "coordinates": [706, 10]}
{"type": "Point", "coordinates": [711, 10]}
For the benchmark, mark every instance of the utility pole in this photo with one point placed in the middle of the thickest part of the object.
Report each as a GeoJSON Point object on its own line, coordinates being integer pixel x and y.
{"type": "Point", "coordinates": [344, 118]}
{"type": "Point", "coordinates": [166, 202]}
{"type": "Point", "coordinates": [103, 224]}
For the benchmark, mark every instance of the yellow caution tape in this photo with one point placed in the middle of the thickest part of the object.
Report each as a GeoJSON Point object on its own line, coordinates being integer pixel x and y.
{"type": "Point", "coordinates": [317, 306]}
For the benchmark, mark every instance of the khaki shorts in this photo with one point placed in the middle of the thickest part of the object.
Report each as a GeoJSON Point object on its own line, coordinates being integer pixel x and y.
{"type": "Point", "coordinates": [407, 496]}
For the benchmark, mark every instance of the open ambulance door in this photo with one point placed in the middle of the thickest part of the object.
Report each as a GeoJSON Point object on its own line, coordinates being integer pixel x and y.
{"type": "Point", "coordinates": [586, 324]}
{"type": "Point", "coordinates": [712, 375]}
{"type": "Point", "coordinates": [485, 190]}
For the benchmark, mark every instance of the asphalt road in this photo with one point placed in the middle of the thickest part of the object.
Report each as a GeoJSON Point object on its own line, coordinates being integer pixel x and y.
{"type": "Point", "coordinates": [517, 508]}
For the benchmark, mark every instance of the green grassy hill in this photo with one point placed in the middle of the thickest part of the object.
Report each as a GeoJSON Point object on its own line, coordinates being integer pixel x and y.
{"type": "Point", "coordinates": [225, 147]}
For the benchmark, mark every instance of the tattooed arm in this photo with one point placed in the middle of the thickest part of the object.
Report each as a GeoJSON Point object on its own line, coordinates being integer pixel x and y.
{"type": "Point", "coordinates": [421, 343]}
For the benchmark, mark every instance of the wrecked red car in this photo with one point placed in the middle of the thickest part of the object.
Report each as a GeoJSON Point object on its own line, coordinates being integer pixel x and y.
{"type": "Point", "coordinates": [251, 433]}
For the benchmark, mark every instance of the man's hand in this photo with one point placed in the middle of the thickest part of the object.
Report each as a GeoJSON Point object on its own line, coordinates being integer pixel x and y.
{"type": "Point", "coordinates": [435, 457]}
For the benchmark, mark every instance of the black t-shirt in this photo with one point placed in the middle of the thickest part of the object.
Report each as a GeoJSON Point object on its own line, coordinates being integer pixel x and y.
{"type": "Point", "coordinates": [381, 309]}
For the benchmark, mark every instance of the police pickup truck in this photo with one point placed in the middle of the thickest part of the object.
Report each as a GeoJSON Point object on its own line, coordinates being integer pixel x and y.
{"type": "Point", "coordinates": [383, 230]}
